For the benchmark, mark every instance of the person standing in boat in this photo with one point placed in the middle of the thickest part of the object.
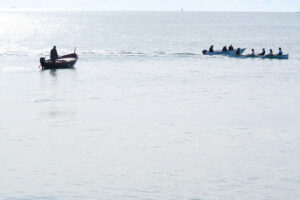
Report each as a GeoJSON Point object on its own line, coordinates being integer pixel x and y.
{"type": "Point", "coordinates": [230, 48]}
{"type": "Point", "coordinates": [253, 52]}
{"type": "Point", "coordinates": [280, 52]}
{"type": "Point", "coordinates": [53, 54]}
{"type": "Point", "coordinates": [238, 52]}
{"type": "Point", "coordinates": [224, 49]}
{"type": "Point", "coordinates": [211, 49]}
{"type": "Point", "coordinates": [263, 52]}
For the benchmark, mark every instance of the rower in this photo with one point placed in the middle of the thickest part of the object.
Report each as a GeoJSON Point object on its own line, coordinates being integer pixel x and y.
{"type": "Point", "coordinates": [238, 52]}
{"type": "Point", "coordinates": [211, 49]}
{"type": "Point", "coordinates": [53, 54]}
{"type": "Point", "coordinates": [271, 52]}
{"type": "Point", "coordinates": [230, 48]}
{"type": "Point", "coordinates": [280, 51]}
{"type": "Point", "coordinates": [253, 52]}
{"type": "Point", "coordinates": [263, 52]}
{"type": "Point", "coordinates": [224, 49]}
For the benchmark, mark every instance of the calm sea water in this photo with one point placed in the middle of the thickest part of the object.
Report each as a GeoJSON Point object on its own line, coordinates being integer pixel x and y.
{"type": "Point", "coordinates": [144, 115]}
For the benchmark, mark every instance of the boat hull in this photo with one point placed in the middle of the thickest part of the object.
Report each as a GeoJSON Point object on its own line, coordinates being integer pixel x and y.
{"type": "Point", "coordinates": [63, 62]}
{"type": "Point", "coordinates": [220, 52]}
{"type": "Point", "coordinates": [285, 56]}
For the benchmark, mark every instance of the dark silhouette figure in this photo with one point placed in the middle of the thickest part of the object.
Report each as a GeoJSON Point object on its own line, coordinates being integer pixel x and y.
{"type": "Point", "coordinates": [53, 54]}
{"type": "Point", "coordinates": [224, 49]}
{"type": "Point", "coordinates": [271, 52]}
{"type": "Point", "coordinates": [280, 51]}
{"type": "Point", "coordinates": [263, 52]}
{"type": "Point", "coordinates": [230, 48]}
{"type": "Point", "coordinates": [238, 52]}
{"type": "Point", "coordinates": [211, 49]}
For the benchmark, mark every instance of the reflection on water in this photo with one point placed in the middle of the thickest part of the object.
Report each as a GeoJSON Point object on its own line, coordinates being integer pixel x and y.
{"type": "Point", "coordinates": [53, 72]}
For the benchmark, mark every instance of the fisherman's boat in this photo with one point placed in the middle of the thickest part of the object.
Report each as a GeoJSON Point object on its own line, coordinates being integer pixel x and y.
{"type": "Point", "coordinates": [66, 61]}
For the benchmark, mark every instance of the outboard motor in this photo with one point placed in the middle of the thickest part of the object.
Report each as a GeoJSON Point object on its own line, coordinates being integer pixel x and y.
{"type": "Point", "coordinates": [204, 52]}
{"type": "Point", "coordinates": [42, 61]}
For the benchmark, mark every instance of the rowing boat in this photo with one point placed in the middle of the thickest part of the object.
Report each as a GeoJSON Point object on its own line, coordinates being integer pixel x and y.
{"type": "Point", "coordinates": [276, 56]}
{"type": "Point", "coordinates": [220, 52]}
{"type": "Point", "coordinates": [66, 61]}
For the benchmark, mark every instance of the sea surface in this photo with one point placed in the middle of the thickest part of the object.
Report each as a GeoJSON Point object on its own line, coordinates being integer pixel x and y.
{"type": "Point", "coordinates": [144, 115]}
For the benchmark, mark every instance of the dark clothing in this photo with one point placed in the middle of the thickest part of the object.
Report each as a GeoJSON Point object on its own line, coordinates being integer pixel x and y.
{"type": "Point", "coordinates": [224, 48]}
{"type": "Point", "coordinates": [262, 53]}
{"type": "Point", "coordinates": [230, 48]}
{"type": "Point", "coordinates": [211, 49]}
{"type": "Point", "coordinates": [53, 54]}
{"type": "Point", "coordinates": [238, 51]}
{"type": "Point", "coordinates": [271, 52]}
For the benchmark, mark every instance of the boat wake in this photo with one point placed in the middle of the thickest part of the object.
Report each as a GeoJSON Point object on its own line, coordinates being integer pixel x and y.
{"type": "Point", "coordinates": [22, 52]}
{"type": "Point", "coordinates": [15, 69]}
{"type": "Point", "coordinates": [101, 53]}
{"type": "Point", "coordinates": [44, 100]}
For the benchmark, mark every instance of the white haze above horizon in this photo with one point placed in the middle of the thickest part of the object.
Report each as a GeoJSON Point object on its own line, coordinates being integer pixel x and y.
{"type": "Point", "coordinates": [160, 5]}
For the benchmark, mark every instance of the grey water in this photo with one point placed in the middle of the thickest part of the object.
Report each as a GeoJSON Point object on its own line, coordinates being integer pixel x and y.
{"type": "Point", "coordinates": [143, 115]}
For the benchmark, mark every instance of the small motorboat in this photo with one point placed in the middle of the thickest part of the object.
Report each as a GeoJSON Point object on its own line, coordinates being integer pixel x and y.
{"type": "Point", "coordinates": [66, 61]}
{"type": "Point", "coordinates": [220, 52]}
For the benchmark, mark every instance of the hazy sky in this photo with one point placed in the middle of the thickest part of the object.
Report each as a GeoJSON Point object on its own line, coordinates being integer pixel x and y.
{"type": "Point", "coordinates": [202, 5]}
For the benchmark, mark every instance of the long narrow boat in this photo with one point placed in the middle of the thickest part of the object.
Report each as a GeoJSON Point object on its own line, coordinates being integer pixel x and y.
{"type": "Point", "coordinates": [66, 61]}
{"type": "Point", "coordinates": [220, 52]}
{"type": "Point", "coordinates": [275, 56]}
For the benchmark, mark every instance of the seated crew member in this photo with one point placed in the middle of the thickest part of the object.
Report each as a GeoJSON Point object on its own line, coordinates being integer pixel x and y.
{"type": "Point", "coordinates": [271, 52]}
{"type": "Point", "coordinates": [263, 52]}
{"type": "Point", "coordinates": [280, 51]}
